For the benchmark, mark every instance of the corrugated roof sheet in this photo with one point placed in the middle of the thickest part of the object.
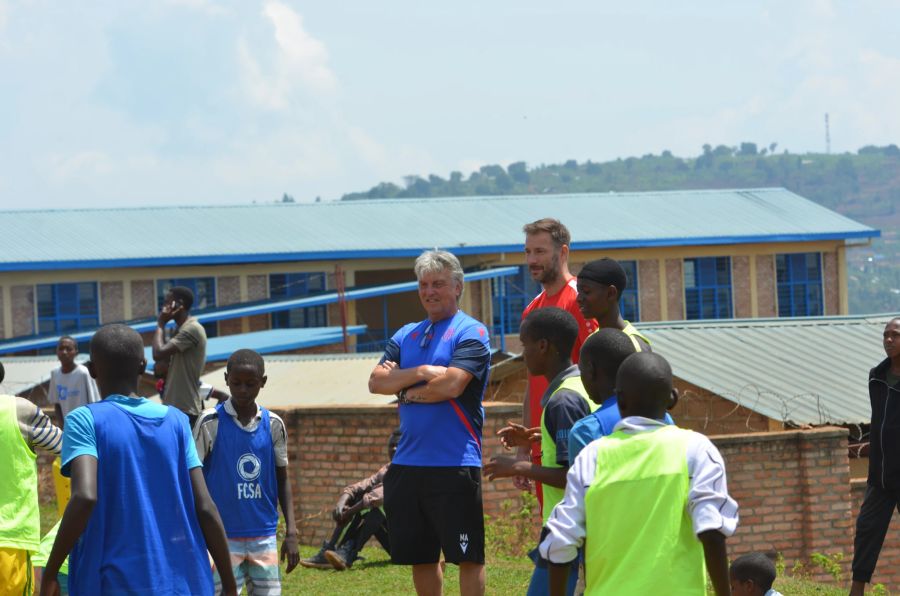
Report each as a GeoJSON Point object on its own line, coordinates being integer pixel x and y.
{"type": "Point", "coordinates": [404, 227]}
{"type": "Point", "coordinates": [25, 372]}
{"type": "Point", "coordinates": [806, 371]}
{"type": "Point", "coordinates": [327, 380]}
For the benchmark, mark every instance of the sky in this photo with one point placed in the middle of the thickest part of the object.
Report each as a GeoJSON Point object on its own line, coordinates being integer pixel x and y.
{"type": "Point", "coordinates": [198, 102]}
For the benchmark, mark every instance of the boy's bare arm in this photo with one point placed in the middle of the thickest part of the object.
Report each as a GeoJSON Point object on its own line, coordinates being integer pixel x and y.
{"type": "Point", "coordinates": [59, 416]}
{"type": "Point", "coordinates": [213, 531]}
{"type": "Point", "coordinates": [75, 518]}
{"type": "Point", "coordinates": [502, 466]}
{"type": "Point", "coordinates": [716, 556]}
{"type": "Point", "coordinates": [290, 549]}
{"type": "Point", "coordinates": [559, 577]}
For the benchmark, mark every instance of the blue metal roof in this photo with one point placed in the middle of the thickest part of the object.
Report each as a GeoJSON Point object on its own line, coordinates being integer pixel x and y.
{"type": "Point", "coordinates": [269, 342]}
{"type": "Point", "coordinates": [42, 240]}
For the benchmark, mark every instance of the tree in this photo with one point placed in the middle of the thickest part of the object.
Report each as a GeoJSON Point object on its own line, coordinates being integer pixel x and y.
{"type": "Point", "coordinates": [519, 172]}
{"type": "Point", "coordinates": [773, 147]}
{"type": "Point", "coordinates": [286, 198]}
{"type": "Point", "coordinates": [571, 164]}
{"type": "Point", "coordinates": [747, 149]}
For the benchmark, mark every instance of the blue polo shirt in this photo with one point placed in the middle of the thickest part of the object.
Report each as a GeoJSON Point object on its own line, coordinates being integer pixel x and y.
{"type": "Point", "coordinates": [447, 433]}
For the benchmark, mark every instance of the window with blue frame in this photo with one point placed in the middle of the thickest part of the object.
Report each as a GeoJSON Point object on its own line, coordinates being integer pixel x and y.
{"type": "Point", "coordinates": [284, 286]}
{"type": "Point", "coordinates": [707, 288]}
{"type": "Point", "coordinates": [799, 284]}
{"type": "Point", "coordinates": [64, 308]}
{"type": "Point", "coordinates": [510, 296]}
{"type": "Point", "coordinates": [204, 289]}
{"type": "Point", "coordinates": [628, 303]}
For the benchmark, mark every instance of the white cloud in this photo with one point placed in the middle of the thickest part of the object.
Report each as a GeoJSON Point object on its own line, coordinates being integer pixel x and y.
{"type": "Point", "coordinates": [299, 66]}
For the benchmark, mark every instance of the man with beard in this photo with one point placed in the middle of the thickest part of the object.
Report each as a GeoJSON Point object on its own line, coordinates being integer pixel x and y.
{"type": "Point", "coordinates": [547, 256]}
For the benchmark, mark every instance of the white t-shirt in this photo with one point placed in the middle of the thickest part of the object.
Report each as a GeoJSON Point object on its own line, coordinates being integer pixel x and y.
{"type": "Point", "coordinates": [73, 389]}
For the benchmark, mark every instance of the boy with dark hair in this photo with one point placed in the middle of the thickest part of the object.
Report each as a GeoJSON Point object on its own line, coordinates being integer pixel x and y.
{"type": "Point", "coordinates": [71, 384]}
{"type": "Point", "coordinates": [648, 502]}
{"type": "Point", "coordinates": [883, 490]}
{"type": "Point", "coordinates": [244, 449]}
{"type": "Point", "coordinates": [601, 356]}
{"type": "Point", "coordinates": [140, 519]}
{"type": "Point", "coordinates": [23, 428]}
{"type": "Point", "coordinates": [187, 351]}
{"type": "Point", "coordinates": [752, 575]}
{"type": "Point", "coordinates": [547, 336]}
{"type": "Point", "coordinates": [600, 287]}
{"type": "Point", "coordinates": [358, 515]}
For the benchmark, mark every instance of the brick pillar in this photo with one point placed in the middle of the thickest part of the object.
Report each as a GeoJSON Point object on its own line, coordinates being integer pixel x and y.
{"type": "Point", "coordinates": [740, 285]}
{"type": "Point", "coordinates": [258, 289]}
{"type": "Point", "coordinates": [648, 290]}
{"type": "Point", "coordinates": [228, 291]}
{"type": "Point", "coordinates": [831, 284]}
{"type": "Point", "coordinates": [765, 285]}
{"type": "Point", "coordinates": [143, 299]}
{"type": "Point", "coordinates": [22, 310]}
{"type": "Point", "coordinates": [675, 289]}
{"type": "Point", "coordinates": [112, 305]}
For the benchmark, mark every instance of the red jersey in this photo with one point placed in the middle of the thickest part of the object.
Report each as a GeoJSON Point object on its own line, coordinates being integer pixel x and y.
{"type": "Point", "coordinates": [565, 299]}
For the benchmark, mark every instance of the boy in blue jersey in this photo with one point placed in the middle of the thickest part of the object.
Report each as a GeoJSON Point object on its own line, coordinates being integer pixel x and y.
{"type": "Point", "coordinates": [601, 355]}
{"type": "Point", "coordinates": [245, 464]}
{"type": "Point", "coordinates": [432, 491]}
{"type": "Point", "coordinates": [140, 519]}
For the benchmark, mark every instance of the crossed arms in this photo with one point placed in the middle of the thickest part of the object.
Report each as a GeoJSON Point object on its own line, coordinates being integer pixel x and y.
{"type": "Point", "coordinates": [425, 383]}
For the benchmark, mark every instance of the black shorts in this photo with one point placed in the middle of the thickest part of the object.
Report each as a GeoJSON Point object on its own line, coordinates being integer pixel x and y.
{"type": "Point", "coordinates": [430, 509]}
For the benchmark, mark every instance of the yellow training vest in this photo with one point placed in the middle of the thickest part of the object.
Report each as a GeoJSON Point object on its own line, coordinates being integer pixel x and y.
{"type": "Point", "coordinates": [640, 539]}
{"type": "Point", "coordinates": [553, 495]}
{"type": "Point", "coordinates": [632, 333]}
{"type": "Point", "coordinates": [20, 521]}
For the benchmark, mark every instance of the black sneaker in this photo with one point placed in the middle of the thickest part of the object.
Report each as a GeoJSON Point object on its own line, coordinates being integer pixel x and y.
{"type": "Point", "coordinates": [318, 561]}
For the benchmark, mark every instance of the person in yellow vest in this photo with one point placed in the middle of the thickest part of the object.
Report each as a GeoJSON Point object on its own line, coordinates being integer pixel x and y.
{"type": "Point", "coordinates": [547, 337]}
{"type": "Point", "coordinates": [23, 428]}
{"type": "Point", "coordinates": [649, 502]}
{"type": "Point", "coordinates": [600, 287]}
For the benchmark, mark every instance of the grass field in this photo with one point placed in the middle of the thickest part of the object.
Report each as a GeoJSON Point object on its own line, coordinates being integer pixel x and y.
{"type": "Point", "coordinates": [506, 575]}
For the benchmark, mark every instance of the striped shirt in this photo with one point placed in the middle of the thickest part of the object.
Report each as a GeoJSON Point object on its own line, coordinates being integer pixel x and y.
{"type": "Point", "coordinates": [36, 427]}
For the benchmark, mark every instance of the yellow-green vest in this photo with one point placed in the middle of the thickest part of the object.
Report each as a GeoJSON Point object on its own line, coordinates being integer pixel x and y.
{"type": "Point", "coordinates": [639, 536]}
{"type": "Point", "coordinates": [20, 521]}
{"type": "Point", "coordinates": [553, 495]}
{"type": "Point", "coordinates": [632, 333]}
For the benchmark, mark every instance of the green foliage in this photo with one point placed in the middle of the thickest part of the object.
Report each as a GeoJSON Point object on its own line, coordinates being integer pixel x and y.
{"type": "Point", "coordinates": [515, 531]}
{"type": "Point", "coordinates": [830, 563]}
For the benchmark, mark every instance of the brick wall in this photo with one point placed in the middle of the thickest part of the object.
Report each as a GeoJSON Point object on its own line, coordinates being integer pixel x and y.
{"type": "Point", "coordinates": [143, 299]}
{"type": "Point", "coordinates": [711, 414]}
{"type": "Point", "coordinates": [887, 571]}
{"type": "Point", "coordinates": [22, 310]}
{"type": "Point", "coordinates": [675, 289]}
{"type": "Point", "coordinates": [765, 285]}
{"type": "Point", "coordinates": [832, 290]}
{"type": "Point", "coordinates": [258, 289]}
{"type": "Point", "coordinates": [228, 291]}
{"type": "Point", "coordinates": [330, 448]}
{"type": "Point", "coordinates": [740, 281]}
{"type": "Point", "coordinates": [112, 305]}
{"type": "Point", "coordinates": [648, 290]}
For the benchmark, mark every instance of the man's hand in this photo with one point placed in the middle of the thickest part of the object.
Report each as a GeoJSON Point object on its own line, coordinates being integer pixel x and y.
{"type": "Point", "coordinates": [168, 312]}
{"type": "Point", "coordinates": [504, 466]}
{"type": "Point", "coordinates": [520, 482]}
{"type": "Point", "coordinates": [290, 551]}
{"type": "Point", "coordinates": [338, 514]}
{"type": "Point", "coordinates": [516, 435]}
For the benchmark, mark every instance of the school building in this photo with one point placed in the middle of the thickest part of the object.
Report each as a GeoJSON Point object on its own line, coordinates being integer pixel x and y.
{"type": "Point", "coordinates": [709, 254]}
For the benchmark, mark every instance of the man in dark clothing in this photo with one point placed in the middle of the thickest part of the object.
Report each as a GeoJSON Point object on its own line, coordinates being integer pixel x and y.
{"type": "Point", "coordinates": [883, 490]}
{"type": "Point", "coordinates": [358, 516]}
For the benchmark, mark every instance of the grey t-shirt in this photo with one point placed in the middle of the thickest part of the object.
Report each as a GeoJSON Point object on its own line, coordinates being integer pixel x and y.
{"type": "Point", "coordinates": [72, 389]}
{"type": "Point", "coordinates": [183, 380]}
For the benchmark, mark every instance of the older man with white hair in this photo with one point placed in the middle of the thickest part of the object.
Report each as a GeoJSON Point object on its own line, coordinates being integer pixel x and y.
{"type": "Point", "coordinates": [432, 493]}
